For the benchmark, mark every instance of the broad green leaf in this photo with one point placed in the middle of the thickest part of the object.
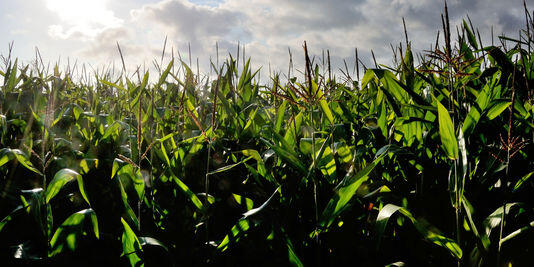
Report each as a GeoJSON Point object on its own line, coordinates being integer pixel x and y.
{"type": "Point", "coordinates": [280, 116]}
{"type": "Point", "coordinates": [323, 104]}
{"type": "Point", "coordinates": [482, 240]}
{"type": "Point", "coordinates": [288, 156]}
{"type": "Point", "coordinates": [134, 175]}
{"type": "Point", "coordinates": [482, 102]}
{"type": "Point", "coordinates": [262, 170]}
{"type": "Point", "coordinates": [132, 218]}
{"type": "Point", "coordinates": [344, 192]}
{"type": "Point", "coordinates": [8, 154]}
{"type": "Point", "coordinates": [114, 127]}
{"type": "Point", "coordinates": [470, 36]}
{"type": "Point", "coordinates": [235, 234]}
{"type": "Point", "coordinates": [446, 132]}
{"type": "Point", "coordinates": [324, 158]}
{"type": "Point", "coordinates": [189, 194]}
{"type": "Point", "coordinates": [131, 247]}
{"type": "Point", "coordinates": [87, 164]}
{"type": "Point", "coordinates": [243, 201]}
{"type": "Point", "coordinates": [293, 129]}
{"type": "Point", "coordinates": [61, 178]}
{"type": "Point", "coordinates": [70, 231]}
{"type": "Point", "coordinates": [113, 85]}
{"type": "Point", "coordinates": [497, 109]}
{"type": "Point", "coordinates": [165, 73]}
{"type": "Point", "coordinates": [494, 219]}
{"type": "Point", "coordinates": [430, 235]}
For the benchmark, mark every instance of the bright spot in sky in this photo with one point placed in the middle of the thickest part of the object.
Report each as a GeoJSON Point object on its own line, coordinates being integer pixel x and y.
{"type": "Point", "coordinates": [81, 18]}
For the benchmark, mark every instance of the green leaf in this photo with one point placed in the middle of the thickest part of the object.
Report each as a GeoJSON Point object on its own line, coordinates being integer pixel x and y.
{"type": "Point", "coordinates": [286, 155]}
{"type": "Point", "coordinates": [482, 102]}
{"type": "Point", "coordinates": [523, 179]}
{"type": "Point", "coordinates": [243, 201]}
{"type": "Point", "coordinates": [344, 192]}
{"type": "Point", "coordinates": [8, 154]}
{"type": "Point", "coordinates": [61, 178]}
{"type": "Point", "coordinates": [446, 132]}
{"type": "Point", "coordinates": [430, 235]}
{"type": "Point", "coordinates": [517, 232]}
{"type": "Point", "coordinates": [293, 258]}
{"type": "Point", "coordinates": [482, 240]}
{"type": "Point", "coordinates": [131, 247]}
{"type": "Point", "coordinates": [235, 234]}
{"type": "Point", "coordinates": [280, 116]}
{"type": "Point", "coordinates": [134, 175]}
{"type": "Point", "coordinates": [70, 231]}
{"type": "Point", "coordinates": [497, 109]}
{"type": "Point", "coordinates": [470, 36]}
{"type": "Point", "coordinates": [324, 158]}
{"type": "Point", "coordinates": [165, 73]}
{"type": "Point", "coordinates": [228, 167]}
{"type": "Point", "coordinates": [113, 128]}
{"type": "Point", "coordinates": [17, 211]}
{"type": "Point", "coordinates": [494, 219]}
{"type": "Point", "coordinates": [120, 88]}
{"type": "Point", "coordinates": [262, 170]}
{"type": "Point", "coordinates": [324, 104]}
{"type": "Point", "coordinates": [189, 194]}
{"type": "Point", "coordinates": [124, 197]}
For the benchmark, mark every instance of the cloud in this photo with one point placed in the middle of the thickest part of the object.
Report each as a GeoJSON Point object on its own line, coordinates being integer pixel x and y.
{"type": "Point", "coordinates": [81, 18]}
{"type": "Point", "coordinates": [267, 28]}
{"type": "Point", "coordinates": [192, 23]}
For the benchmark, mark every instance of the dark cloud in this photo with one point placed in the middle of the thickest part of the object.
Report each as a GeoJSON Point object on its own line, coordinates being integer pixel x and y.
{"type": "Point", "coordinates": [191, 22]}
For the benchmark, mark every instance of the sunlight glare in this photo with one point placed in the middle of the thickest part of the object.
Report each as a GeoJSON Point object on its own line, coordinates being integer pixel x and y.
{"type": "Point", "coordinates": [82, 17]}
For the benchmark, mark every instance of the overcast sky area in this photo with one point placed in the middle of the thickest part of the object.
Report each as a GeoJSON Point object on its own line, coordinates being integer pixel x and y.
{"type": "Point", "coordinates": [88, 31]}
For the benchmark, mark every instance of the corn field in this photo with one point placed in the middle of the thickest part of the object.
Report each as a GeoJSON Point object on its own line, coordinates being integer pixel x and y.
{"type": "Point", "coordinates": [421, 164]}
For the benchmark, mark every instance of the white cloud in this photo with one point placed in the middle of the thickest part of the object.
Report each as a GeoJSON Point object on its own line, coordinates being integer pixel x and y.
{"type": "Point", "coordinates": [81, 18]}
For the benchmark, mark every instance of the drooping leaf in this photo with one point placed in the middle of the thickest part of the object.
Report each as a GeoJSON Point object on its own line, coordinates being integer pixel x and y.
{"type": "Point", "coordinates": [344, 192]}
{"type": "Point", "coordinates": [494, 219]}
{"type": "Point", "coordinates": [430, 235]}
{"type": "Point", "coordinates": [260, 208]}
{"type": "Point", "coordinates": [8, 154]}
{"type": "Point", "coordinates": [146, 241]}
{"type": "Point", "coordinates": [71, 230]}
{"type": "Point", "coordinates": [288, 156]}
{"type": "Point", "coordinates": [61, 178]}
{"type": "Point", "coordinates": [17, 211]}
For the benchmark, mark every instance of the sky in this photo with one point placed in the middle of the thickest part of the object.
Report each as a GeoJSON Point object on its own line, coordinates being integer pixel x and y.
{"type": "Point", "coordinates": [88, 31]}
